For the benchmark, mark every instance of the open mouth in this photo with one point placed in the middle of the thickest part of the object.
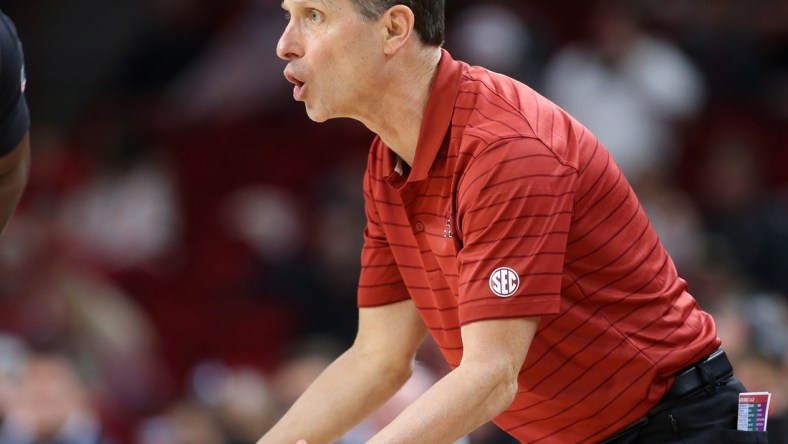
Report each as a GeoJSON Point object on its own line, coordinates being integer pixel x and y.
{"type": "Point", "coordinates": [298, 89]}
{"type": "Point", "coordinates": [293, 79]}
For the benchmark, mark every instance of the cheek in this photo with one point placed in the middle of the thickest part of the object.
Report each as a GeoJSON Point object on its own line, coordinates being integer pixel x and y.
{"type": "Point", "coordinates": [344, 72]}
{"type": "Point", "coordinates": [333, 65]}
{"type": "Point", "coordinates": [343, 75]}
{"type": "Point", "coordinates": [359, 67]}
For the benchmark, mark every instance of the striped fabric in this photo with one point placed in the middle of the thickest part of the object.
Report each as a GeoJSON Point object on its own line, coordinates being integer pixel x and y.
{"type": "Point", "coordinates": [513, 209]}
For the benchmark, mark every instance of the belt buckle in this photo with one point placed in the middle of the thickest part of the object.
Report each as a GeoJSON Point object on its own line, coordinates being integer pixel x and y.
{"type": "Point", "coordinates": [716, 354]}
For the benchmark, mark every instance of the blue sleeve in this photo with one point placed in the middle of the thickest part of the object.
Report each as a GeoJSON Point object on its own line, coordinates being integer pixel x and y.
{"type": "Point", "coordinates": [14, 114]}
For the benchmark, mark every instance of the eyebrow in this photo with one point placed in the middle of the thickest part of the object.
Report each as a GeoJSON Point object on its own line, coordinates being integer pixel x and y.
{"type": "Point", "coordinates": [305, 2]}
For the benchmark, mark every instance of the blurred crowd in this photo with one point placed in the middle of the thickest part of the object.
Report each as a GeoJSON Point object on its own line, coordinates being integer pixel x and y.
{"type": "Point", "coordinates": [185, 257]}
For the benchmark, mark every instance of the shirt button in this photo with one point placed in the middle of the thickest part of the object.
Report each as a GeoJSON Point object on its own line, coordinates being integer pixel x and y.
{"type": "Point", "coordinates": [419, 226]}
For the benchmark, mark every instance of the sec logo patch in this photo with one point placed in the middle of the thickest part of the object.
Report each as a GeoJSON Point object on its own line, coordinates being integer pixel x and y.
{"type": "Point", "coordinates": [504, 282]}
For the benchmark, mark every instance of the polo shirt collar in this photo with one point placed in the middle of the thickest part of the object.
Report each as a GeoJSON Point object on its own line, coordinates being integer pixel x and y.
{"type": "Point", "coordinates": [437, 116]}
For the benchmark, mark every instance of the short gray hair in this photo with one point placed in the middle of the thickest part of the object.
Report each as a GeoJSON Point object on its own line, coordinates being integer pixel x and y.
{"type": "Point", "coordinates": [430, 16]}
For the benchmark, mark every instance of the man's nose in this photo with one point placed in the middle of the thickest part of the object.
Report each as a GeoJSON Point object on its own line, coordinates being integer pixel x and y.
{"type": "Point", "coordinates": [289, 46]}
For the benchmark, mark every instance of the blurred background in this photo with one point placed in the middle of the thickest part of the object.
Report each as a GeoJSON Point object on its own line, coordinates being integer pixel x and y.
{"type": "Point", "coordinates": [185, 256]}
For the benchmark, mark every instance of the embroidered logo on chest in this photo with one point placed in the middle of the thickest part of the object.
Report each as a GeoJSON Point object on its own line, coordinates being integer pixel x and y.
{"type": "Point", "coordinates": [504, 282]}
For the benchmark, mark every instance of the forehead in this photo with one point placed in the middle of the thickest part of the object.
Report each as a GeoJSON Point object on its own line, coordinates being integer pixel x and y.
{"type": "Point", "coordinates": [287, 4]}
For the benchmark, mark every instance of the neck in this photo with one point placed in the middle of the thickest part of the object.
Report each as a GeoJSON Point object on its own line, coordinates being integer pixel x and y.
{"type": "Point", "coordinates": [397, 113]}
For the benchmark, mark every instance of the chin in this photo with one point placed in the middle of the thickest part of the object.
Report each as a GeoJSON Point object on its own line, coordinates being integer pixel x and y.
{"type": "Point", "coordinates": [317, 115]}
{"type": "Point", "coordinates": [318, 119]}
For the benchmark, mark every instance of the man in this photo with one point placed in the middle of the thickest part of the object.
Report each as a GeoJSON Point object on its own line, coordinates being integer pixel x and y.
{"type": "Point", "coordinates": [499, 225]}
{"type": "Point", "coordinates": [14, 121]}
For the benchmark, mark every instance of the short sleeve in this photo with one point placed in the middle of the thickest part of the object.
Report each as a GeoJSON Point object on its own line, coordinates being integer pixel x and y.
{"type": "Point", "coordinates": [380, 282]}
{"type": "Point", "coordinates": [514, 208]}
{"type": "Point", "coordinates": [14, 114]}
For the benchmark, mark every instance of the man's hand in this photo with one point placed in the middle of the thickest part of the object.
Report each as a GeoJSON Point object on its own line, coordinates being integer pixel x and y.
{"type": "Point", "coordinates": [480, 388]}
{"type": "Point", "coordinates": [358, 382]}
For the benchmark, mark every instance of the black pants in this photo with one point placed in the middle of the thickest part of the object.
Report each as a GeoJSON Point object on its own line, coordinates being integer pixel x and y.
{"type": "Point", "coordinates": [708, 416]}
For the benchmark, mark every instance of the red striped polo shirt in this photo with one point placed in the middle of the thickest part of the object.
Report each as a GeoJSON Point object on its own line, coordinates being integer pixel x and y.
{"type": "Point", "coordinates": [514, 209]}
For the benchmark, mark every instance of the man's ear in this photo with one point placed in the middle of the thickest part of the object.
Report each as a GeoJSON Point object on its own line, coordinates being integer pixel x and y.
{"type": "Point", "coordinates": [398, 22]}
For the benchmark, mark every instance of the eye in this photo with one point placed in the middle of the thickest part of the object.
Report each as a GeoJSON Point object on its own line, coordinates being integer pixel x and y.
{"type": "Point", "coordinates": [315, 16]}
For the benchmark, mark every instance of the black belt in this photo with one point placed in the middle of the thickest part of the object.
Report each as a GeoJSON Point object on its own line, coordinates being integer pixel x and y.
{"type": "Point", "coordinates": [702, 375]}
